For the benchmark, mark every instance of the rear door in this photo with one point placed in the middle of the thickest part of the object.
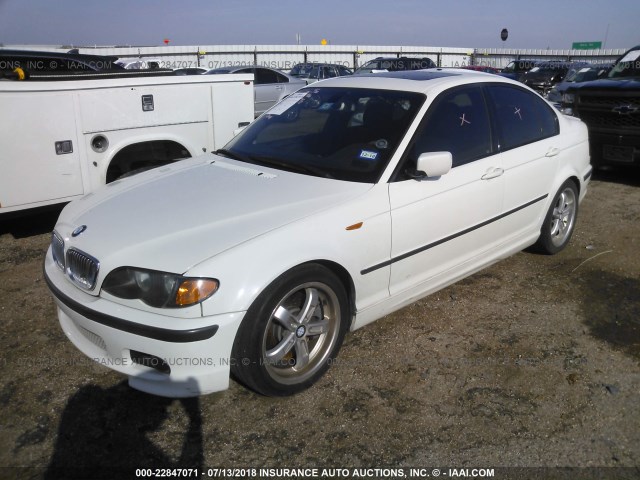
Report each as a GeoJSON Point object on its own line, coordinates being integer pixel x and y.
{"type": "Point", "coordinates": [530, 150]}
{"type": "Point", "coordinates": [269, 88]}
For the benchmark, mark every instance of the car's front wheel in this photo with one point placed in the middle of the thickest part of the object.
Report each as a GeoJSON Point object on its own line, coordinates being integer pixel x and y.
{"type": "Point", "coordinates": [560, 220]}
{"type": "Point", "coordinates": [292, 332]}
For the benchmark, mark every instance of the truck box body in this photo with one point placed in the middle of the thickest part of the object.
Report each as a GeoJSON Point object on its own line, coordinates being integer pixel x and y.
{"type": "Point", "coordinates": [63, 139]}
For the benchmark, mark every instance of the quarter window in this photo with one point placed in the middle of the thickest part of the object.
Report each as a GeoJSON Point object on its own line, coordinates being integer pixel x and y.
{"type": "Point", "coordinates": [521, 116]}
{"type": "Point", "coordinates": [264, 76]}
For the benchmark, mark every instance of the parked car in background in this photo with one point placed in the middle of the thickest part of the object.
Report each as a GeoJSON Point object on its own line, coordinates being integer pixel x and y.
{"type": "Point", "coordinates": [516, 68]}
{"type": "Point", "coordinates": [395, 64]}
{"type": "Point", "coordinates": [481, 68]}
{"type": "Point", "coordinates": [270, 85]}
{"type": "Point", "coordinates": [256, 260]}
{"type": "Point", "coordinates": [577, 74]}
{"type": "Point", "coordinates": [544, 75]}
{"type": "Point", "coordinates": [190, 71]}
{"type": "Point", "coordinates": [312, 72]}
{"type": "Point", "coordinates": [146, 63]}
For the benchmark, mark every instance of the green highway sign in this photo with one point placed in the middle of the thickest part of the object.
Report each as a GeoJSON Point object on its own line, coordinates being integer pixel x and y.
{"type": "Point", "coordinates": [586, 45]}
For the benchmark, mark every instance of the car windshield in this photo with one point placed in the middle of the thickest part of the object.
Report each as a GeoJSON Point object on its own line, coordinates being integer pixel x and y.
{"type": "Point", "coordinates": [547, 69]}
{"type": "Point", "coordinates": [371, 66]}
{"type": "Point", "coordinates": [395, 64]}
{"type": "Point", "coordinates": [628, 66]}
{"type": "Point", "coordinates": [584, 74]}
{"type": "Point", "coordinates": [343, 133]}
{"type": "Point", "coordinates": [518, 66]}
{"type": "Point", "coordinates": [301, 70]}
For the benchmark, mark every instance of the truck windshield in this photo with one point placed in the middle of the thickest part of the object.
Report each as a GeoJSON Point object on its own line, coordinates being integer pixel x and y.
{"type": "Point", "coordinates": [628, 66]}
{"type": "Point", "coordinates": [343, 133]}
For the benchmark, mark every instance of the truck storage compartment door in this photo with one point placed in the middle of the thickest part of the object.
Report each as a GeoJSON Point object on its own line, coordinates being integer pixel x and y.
{"type": "Point", "coordinates": [122, 108]}
{"type": "Point", "coordinates": [39, 157]}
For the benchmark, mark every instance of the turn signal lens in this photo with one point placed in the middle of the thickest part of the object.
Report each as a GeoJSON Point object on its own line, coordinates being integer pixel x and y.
{"type": "Point", "coordinates": [195, 290]}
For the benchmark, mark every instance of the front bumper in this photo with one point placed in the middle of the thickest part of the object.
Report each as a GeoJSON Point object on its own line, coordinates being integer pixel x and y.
{"type": "Point", "coordinates": [186, 362]}
{"type": "Point", "coordinates": [614, 149]}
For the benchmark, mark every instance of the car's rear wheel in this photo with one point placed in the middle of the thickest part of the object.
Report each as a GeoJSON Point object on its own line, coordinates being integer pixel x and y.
{"type": "Point", "coordinates": [560, 220]}
{"type": "Point", "coordinates": [292, 332]}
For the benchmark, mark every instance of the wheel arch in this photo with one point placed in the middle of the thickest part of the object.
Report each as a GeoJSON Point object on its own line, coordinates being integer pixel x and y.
{"type": "Point", "coordinates": [345, 278]}
{"type": "Point", "coordinates": [576, 182]}
{"type": "Point", "coordinates": [155, 151]}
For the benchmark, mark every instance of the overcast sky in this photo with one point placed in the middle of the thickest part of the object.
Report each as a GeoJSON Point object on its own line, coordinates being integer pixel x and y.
{"type": "Point", "coordinates": [449, 23]}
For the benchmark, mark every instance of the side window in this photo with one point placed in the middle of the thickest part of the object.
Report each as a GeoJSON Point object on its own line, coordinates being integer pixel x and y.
{"type": "Point", "coordinates": [264, 76]}
{"type": "Point", "coordinates": [456, 122]}
{"type": "Point", "coordinates": [281, 78]}
{"type": "Point", "coordinates": [521, 116]}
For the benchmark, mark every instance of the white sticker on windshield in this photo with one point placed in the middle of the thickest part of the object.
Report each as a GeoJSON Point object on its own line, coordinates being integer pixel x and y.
{"type": "Point", "coordinates": [325, 107]}
{"type": "Point", "coordinates": [582, 70]}
{"type": "Point", "coordinates": [631, 56]}
{"type": "Point", "coordinates": [287, 103]}
{"type": "Point", "coordinates": [368, 155]}
{"type": "Point", "coordinates": [534, 69]}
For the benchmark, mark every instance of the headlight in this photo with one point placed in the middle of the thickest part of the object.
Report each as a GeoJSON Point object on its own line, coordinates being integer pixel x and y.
{"type": "Point", "coordinates": [158, 289]}
{"type": "Point", "coordinates": [568, 98]}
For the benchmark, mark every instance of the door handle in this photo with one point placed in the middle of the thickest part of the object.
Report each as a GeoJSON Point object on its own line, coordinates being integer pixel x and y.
{"type": "Point", "coordinates": [552, 152]}
{"type": "Point", "coordinates": [492, 172]}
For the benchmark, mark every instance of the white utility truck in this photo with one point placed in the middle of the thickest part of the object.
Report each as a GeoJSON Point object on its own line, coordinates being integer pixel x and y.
{"type": "Point", "coordinates": [63, 139]}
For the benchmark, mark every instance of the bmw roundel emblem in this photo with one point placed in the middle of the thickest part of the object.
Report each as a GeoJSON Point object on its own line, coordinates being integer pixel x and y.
{"type": "Point", "coordinates": [78, 230]}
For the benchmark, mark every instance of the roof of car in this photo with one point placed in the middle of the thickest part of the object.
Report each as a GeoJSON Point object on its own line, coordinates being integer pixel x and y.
{"type": "Point", "coordinates": [235, 68]}
{"type": "Point", "coordinates": [315, 64]}
{"type": "Point", "coordinates": [415, 80]}
{"type": "Point", "coordinates": [417, 75]}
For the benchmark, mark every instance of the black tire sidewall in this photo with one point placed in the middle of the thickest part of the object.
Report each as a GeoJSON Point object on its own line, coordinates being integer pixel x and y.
{"type": "Point", "coordinates": [545, 243]}
{"type": "Point", "coordinates": [247, 364]}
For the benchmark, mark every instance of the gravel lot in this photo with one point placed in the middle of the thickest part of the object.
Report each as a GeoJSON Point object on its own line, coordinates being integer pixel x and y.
{"type": "Point", "coordinates": [534, 362]}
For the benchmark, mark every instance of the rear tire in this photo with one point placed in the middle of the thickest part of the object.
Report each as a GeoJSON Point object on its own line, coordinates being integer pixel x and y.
{"type": "Point", "coordinates": [560, 220]}
{"type": "Point", "coordinates": [292, 332]}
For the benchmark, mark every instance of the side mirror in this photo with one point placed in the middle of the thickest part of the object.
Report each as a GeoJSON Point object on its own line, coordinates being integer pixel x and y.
{"type": "Point", "coordinates": [241, 127]}
{"type": "Point", "coordinates": [432, 164]}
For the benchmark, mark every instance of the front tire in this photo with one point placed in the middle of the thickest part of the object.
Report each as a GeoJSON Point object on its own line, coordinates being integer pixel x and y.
{"type": "Point", "coordinates": [560, 220]}
{"type": "Point", "coordinates": [291, 332]}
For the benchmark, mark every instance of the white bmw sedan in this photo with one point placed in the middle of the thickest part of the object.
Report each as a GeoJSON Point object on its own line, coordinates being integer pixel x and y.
{"type": "Point", "coordinates": [346, 201]}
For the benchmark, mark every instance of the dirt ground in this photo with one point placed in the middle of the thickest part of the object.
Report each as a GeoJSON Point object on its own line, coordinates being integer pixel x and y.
{"type": "Point", "coordinates": [534, 362]}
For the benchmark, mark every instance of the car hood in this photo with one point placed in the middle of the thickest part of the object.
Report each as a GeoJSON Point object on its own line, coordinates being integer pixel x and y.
{"type": "Point", "coordinates": [177, 216]}
{"type": "Point", "coordinates": [622, 84]}
{"type": "Point", "coordinates": [539, 77]}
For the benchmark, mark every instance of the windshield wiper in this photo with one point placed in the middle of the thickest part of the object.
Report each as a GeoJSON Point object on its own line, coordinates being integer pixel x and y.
{"type": "Point", "coordinates": [273, 162]}
{"type": "Point", "coordinates": [233, 155]}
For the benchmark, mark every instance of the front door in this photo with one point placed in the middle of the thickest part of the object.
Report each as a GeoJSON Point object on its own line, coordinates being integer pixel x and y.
{"type": "Point", "coordinates": [442, 226]}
